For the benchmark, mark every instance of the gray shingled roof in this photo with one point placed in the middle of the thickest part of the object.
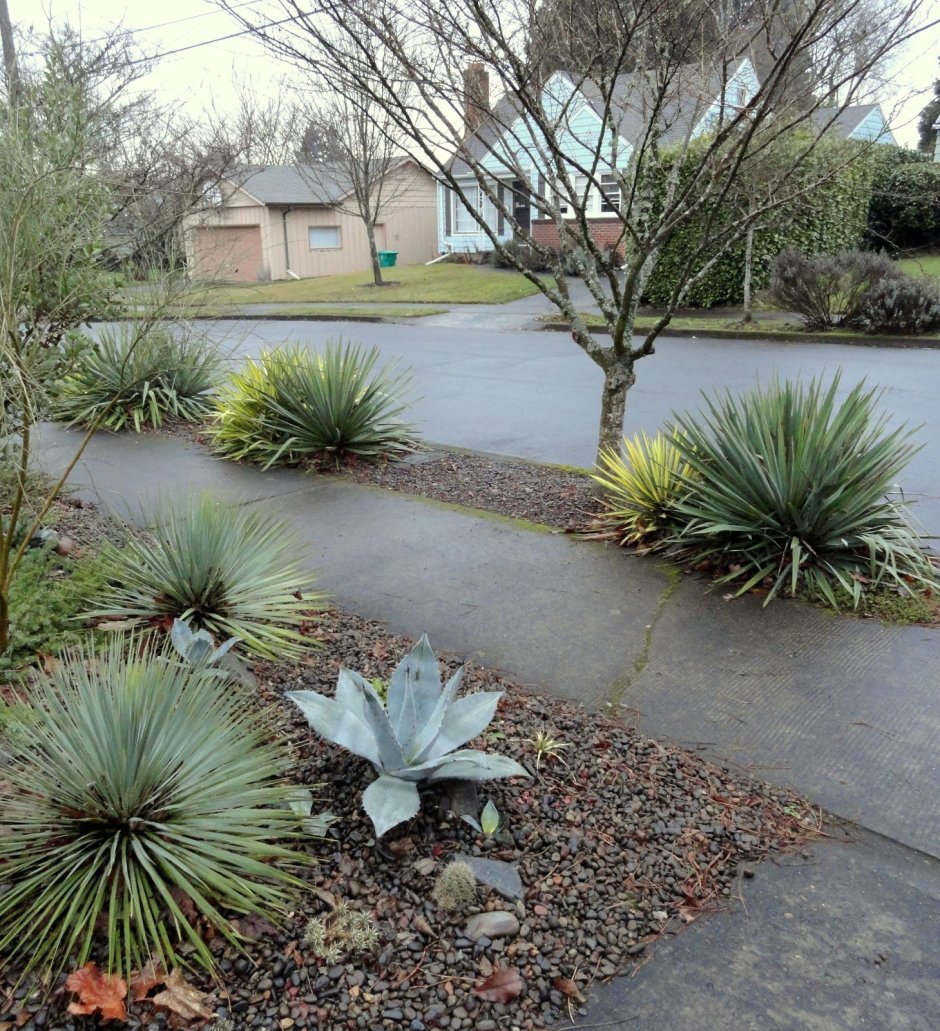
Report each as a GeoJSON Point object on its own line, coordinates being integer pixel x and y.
{"type": "Point", "coordinates": [846, 120]}
{"type": "Point", "coordinates": [691, 99]}
{"type": "Point", "coordinates": [293, 184]}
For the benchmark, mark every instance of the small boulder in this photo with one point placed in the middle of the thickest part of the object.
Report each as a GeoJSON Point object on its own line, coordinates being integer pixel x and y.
{"type": "Point", "coordinates": [492, 925]}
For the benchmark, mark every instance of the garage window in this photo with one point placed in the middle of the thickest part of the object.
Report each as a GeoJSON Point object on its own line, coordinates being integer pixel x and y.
{"type": "Point", "coordinates": [324, 238]}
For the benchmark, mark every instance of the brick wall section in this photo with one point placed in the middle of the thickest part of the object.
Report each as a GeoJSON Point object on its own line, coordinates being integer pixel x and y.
{"type": "Point", "coordinates": [605, 231]}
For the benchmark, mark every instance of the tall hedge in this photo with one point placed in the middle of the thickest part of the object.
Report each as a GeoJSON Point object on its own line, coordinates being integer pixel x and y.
{"type": "Point", "coordinates": [830, 219]}
{"type": "Point", "coordinates": [904, 212]}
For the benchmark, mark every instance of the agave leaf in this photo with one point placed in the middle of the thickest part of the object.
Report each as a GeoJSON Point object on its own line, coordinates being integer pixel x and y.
{"type": "Point", "coordinates": [338, 723]}
{"type": "Point", "coordinates": [390, 801]}
{"type": "Point", "coordinates": [468, 764]}
{"type": "Point", "coordinates": [464, 720]}
{"type": "Point", "coordinates": [413, 692]}
{"type": "Point", "coordinates": [223, 649]}
{"type": "Point", "coordinates": [424, 742]}
{"type": "Point", "coordinates": [390, 752]}
{"type": "Point", "coordinates": [181, 637]}
{"type": "Point", "coordinates": [349, 693]}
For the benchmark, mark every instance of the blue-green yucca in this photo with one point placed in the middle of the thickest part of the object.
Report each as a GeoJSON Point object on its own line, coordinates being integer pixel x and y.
{"type": "Point", "coordinates": [142, 782]}
{"type": "Point", "coordinates": [234, 571]}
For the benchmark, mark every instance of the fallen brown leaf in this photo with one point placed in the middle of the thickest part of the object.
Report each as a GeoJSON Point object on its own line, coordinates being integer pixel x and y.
{"type": "Point", "coordinates": [97, 992]}
{"type": "Point", "coordinates": [503, 985]}
{"type": "Point", "coordinates": [567, 987]}
{"type": "Point", "coordinates": [144, 981]}
{"type": "Point", "coordinates": [182, 998]}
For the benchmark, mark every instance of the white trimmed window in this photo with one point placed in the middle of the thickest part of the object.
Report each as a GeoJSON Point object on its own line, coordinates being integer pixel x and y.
{"type": "Point", "coordinates": [324, 238]}
{"type": "Point", "coordinates": [462, 221]}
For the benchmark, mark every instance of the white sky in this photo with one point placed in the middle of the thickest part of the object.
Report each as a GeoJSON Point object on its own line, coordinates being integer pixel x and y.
{"type": "Point", "coordinates": [204, 75]}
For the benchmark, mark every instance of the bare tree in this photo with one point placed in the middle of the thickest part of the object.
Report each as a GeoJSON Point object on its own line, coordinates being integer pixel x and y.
{"type": "Point", "coordinates": [655, 137]}
{"type": "Point", "coordinates": [352, 156]}
{"type": "Point", "coordinates": [261, 128]}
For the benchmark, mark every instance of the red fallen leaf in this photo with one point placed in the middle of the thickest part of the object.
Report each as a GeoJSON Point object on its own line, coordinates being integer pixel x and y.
{"type": "Point", "coordinates": [182, 999]}
{"type": "Point", "coordinates": [254, 927]}
{"type": "Point", "coordinates": [143, 981]}
{"type": "Point", "coordinates": [567, 987]}
{"type": "Point", "coordinates": [97, 992]}
{"type": "Point", "coordinates": [437, 851]}
{"type": "Point", "coordinates": [503, 985]}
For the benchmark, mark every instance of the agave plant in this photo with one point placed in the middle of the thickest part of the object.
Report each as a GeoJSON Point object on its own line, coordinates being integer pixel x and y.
{"type": "Point", "coordinates": [415, 737]}
{"type": "Point", "coordinates": [143, 790]}
{"type": "Point", "coordinates": [121, 382]}
{"type": "Point", "coordinates": [792, 487]}
{"type": "Point", "coordinates": [293, 404]}
{"type": "Point", "coordinates": [642, 485]}
{"type": "Point", "coordinates": [229, 570]}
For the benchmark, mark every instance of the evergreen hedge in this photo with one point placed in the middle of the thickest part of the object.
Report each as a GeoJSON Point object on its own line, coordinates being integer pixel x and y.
{"type": "Point", "coordinates": [830, 219]}
{"type": "Point", "coordinates": [904, 212]}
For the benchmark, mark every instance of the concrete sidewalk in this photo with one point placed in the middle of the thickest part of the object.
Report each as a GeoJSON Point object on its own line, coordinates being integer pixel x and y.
{"type": "Point", "coordinates": [845, 711]}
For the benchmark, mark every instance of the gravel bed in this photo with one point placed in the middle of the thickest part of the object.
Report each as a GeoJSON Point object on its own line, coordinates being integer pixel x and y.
{"type": "Point", "coordinates": [559, 498]}
{"type": "Point", "coordinates": [617, 838]}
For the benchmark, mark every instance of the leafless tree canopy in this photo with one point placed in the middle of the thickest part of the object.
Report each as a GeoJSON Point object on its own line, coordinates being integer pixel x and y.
{"type": "Point", "coordinates": [655, 118]}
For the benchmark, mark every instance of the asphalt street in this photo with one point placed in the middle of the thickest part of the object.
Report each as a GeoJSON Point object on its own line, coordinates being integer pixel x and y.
{"type": "Point", "coordinates": [536, 395]}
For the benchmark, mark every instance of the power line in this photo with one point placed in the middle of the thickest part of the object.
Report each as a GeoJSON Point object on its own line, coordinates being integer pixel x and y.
{"type": "Point", "coordinates": [176, 21]}
{"type": "Point", "coordinates": [218, 39]}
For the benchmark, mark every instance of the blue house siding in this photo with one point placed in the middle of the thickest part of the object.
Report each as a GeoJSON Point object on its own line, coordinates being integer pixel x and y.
{"type": "Point", "coordinates": [873, 127]}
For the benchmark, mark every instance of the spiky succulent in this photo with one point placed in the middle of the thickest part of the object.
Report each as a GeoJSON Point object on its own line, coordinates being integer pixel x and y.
{"type": "Point", "coordinates": [415, 736]}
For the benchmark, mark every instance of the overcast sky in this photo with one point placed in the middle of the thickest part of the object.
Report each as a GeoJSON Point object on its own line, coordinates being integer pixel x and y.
{"type": "Point", "coordinates": [203, 75]}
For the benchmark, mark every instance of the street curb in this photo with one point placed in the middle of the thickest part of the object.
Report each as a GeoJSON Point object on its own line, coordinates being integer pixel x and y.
{"type": "Point", "coordinates": [786, 337]}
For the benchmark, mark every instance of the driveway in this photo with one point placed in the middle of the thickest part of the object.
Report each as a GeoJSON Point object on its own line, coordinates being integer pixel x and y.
{"type": "Point", "coordinates": [535, 395]}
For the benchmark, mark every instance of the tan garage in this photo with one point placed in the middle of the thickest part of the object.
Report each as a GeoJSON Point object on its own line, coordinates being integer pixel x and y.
{"type": "Point", "coordinates": [229, 252]}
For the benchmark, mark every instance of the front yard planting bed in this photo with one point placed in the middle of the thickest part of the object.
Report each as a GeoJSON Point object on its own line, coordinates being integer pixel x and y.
{"type": "Point", "coordinates": [548, 495]}
{"type": "Point", "coordinates": [616, 840]}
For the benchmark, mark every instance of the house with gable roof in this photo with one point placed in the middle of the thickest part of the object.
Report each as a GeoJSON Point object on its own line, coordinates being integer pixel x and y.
{"type": "Point", "coordinates": [505, 142]}
{"type": "Point", "coordinates": [284, 221]}
{"type": "Point", "coordinates": [502, 140]}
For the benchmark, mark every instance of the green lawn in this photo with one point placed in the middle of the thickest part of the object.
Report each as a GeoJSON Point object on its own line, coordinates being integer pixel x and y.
{"type": "Point", "coordinates": [923, 265]}
{"type": "Point", "coordinates": [412, 284]}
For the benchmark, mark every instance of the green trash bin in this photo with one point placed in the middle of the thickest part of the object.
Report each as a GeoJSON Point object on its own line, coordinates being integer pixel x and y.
{"type": "Point", "coordinates": [387, 259]}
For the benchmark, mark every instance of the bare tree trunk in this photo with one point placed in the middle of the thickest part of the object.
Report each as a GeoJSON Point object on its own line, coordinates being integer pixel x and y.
{"type": "Point", "coordinates": [748, 263]}
{"type": "Point", "coordinates": [4, 621]}
{"type": "Point", "coordinates": [373, 254]}
{"type": "Point", "coordinates": [618, 380]}
{"type": "Point", "coordinates": [9, 53]}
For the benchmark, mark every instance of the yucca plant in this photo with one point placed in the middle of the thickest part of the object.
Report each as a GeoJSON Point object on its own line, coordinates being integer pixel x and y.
{"type": "Point", "coordinates": [642, 485]}
{"type": "Point", "coordinates": [292, 404]}
{"type": "Point", "coordinates": [122, 382]}
{"type": "Point", "coordinates": [141, 787]}
{"type": "Point", "coordinates": [412, 737]}
{"type": "Point", "coordinates": [233, 571]}
{"type": "Point", "coordinates": [792, 487]}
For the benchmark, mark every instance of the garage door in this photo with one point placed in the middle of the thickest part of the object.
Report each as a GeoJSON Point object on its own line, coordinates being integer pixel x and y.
{"type": "Point", "coordinates": [229, 252]}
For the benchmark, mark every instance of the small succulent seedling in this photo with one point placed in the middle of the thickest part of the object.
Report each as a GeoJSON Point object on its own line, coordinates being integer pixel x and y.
{"type": "Point", "coordinates": [489, 819]}
{"type": "Point", "coordinates": [414, 736]}
{"type": "Point", "coordinates": [545, 744]}
{"type": "Point", "coordinates": [455, 886]}
{"type": "Point", "coordinates": [340, 933]}
{"type": "Point", "coordinates": [198, 648]}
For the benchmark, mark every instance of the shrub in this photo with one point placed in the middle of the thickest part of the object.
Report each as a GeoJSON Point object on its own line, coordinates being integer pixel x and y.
{"type": "Point", "coordinates": [899, 305]}
{"type": "Point", "coordinates": [46, 595]}
{"type": "Point", "coordinates": [827, 290]}
{"type": "Point", "coordinates": [792, 489]}
{"type": "Point", "coordinates": [904, 212]}
{"type": "Point", "coordinates": [229, 570]}
{"type": "Point", "coordinates": [642, 485]}
{"type": "Point", "coordinates": [524, 253]}
{"type": "Point", "coordinates": [828, 218]}
{"type": "Point", "coordinates": [293, 404]}
{"type": "Point", "coordinates": [414, 736]}
{"type": "Point", "coordinates": [144, 799]}
{"type": "Point", "coordinates": [162, 377]}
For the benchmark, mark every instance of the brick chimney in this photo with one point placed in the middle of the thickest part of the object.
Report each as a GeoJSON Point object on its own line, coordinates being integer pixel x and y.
{"type": "Point", "coordinates": [476, 96]}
